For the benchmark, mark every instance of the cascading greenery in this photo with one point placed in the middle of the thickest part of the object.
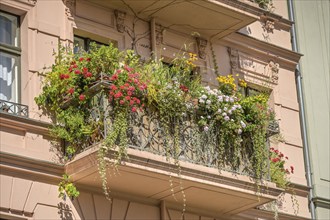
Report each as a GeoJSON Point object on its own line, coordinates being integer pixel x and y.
{"type": "Point", "coordinates": [232, 125]}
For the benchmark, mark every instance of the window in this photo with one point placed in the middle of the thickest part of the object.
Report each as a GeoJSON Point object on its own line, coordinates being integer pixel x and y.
{"type": "Point", "coordinates": [9, 57]}
{"type": "Point", "coordinates": [84, 43]}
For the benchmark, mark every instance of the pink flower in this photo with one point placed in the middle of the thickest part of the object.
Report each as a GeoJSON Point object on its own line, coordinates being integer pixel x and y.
{"type": "Point", "coordinates": [134, 109]}
{"type": "Point", "coordinates": [82, 97]}
{"type": "Point", "coordinates": [131, 102]}
{"type": "Point", "coordinates": [129, 93]}
{"type": "Point", "coordinates": [118, 71]}
{"type": "Point", "coordinates": [81, 59]}
{"type": "Point", "coordinates": [122, 102]}
{"type": "Point", "coordinates": [128, 98]}
{"type": "Point", "coordinates": [85, 70]}
{"type": "Point", "coordinates": [77, 72]}
{"type": "Point", "coordinates": [131, 88]}
{"type": "Point", "coordinates": [62, 76]}
{"type": "Point", "coordinates": [127, 68]}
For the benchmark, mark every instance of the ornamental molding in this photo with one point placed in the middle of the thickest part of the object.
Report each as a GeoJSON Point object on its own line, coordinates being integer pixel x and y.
{"type": "Point", "coordinates": [201, 46]}
{"type": "Point", "coordinates": [70, 6]}
{"type": "Point", "coordinates": [34, 2]}
{"type": "Point", "coordinates": [234, 58]}
{"type": "Point", "coordinates": [268, 25]}
{"type": "Point", "coordinates": [120, 20]}
{"type": "Point", "coordinates": [272, 70]}
{"type": "Point", "coordinates": [159, 29]}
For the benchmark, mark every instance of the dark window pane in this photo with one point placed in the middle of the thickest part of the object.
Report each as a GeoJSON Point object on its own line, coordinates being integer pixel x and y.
{"type": "Point", "coordinates": [8, 29]}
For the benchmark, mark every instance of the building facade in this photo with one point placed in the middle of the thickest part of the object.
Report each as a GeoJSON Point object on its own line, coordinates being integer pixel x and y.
{"type": "Point", "coordinates": [314, 68]}
{"type": "Point", "coordinates": [244, 39]}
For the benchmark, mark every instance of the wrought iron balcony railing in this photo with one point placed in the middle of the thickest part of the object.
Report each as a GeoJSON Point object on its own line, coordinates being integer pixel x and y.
{"type": "Point", "coordinates": [146, 133]}
{"type": "Point", "coordinates": [14, 108]}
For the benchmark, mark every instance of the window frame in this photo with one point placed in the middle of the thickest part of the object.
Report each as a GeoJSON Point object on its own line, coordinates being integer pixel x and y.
{"type": "Point", "coordinates": [17, 52]}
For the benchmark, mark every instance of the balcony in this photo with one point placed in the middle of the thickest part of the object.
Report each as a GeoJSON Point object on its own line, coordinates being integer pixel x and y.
{"type": "Point", "coordinates": [188, 143]}
{"type": "Point", "coordinates": [13, 108]}
{"type": "Point", "coordinates": [214, 19]}
{"type": "Point", "coordinates": [151, 172]}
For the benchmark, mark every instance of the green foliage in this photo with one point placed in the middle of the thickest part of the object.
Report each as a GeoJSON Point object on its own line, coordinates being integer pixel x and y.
{"type": "Point", "coordinates": [237, 124]}
{"type": "Point", "coordinates": [66, 187]}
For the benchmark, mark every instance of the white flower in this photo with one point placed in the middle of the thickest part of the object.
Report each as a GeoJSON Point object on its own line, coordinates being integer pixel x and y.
{"type": "Point", "coordinates": [206, 128]}
{"type": "Point", "coordinates": [202, 117]}
{"type": "Point", "coordinates": [243, 124]}
{"type": "Point", "coordinates": [239, 131]}
{"type": "Point", "coordinates": [220, 98]}
{"type": "Point", "coordinates": [226, 118]}
{"type": "Point", "coordinates": [219, 110]}
{"type": "Point", "coordinates": [227, 99]}
{"type": "Point", "coordinates": [239, 106]}
{"type": "Point", "coordinates": [208, 102]}
{"type": "Point", "coordinates": [201, 101]}
{"type": "Point", "coordinates": [207, 88]}
{"type": "Point", "coordinates": [204, 97]}
{"type": "Point", "coordinates": [225, 108]}
{"type": "Point", "coordinates": [231, 99]}
{"type": "Point", "coordinates": [208, 117]}
{"type": "Point", "coordinates": [232, 120]}
{"type": "Point", "coordinates": [224, 114]}
{"type": "Point", "coordinates": [230, 112]}
{"type": "Point", "coordinates": [233, 108]}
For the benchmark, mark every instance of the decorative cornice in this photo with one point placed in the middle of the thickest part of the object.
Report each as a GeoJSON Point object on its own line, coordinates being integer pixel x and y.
{"type": "Point", "coordinates": [201, 46]}
{"type": "Point", "coordinates": [120, 20]}
{"type": "Point", "coordinates": [70, 6]}
{"type": "Point", "coordinates": [21, 123]}
{"type": "Point", "coordinates": [15, 164]}
{"type": "Point", "coordinates": [264, 51]}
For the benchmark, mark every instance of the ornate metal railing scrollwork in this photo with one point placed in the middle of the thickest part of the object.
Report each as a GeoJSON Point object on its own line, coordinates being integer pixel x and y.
{"type": "Point", "coordinates": [14, 108]}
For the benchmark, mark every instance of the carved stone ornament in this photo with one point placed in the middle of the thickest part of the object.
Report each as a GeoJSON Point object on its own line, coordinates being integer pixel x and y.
{"type": "Point", "coordinates": [120, 21]}
{"type": "Point", "coordinates": [273, 69]}
{"type": "Point", "coordinates": [159, 34]}
{"type": "Point", "coordinates": [268, 26]}
{"type": "Point", "coordinates": [201, 45]}
{"type": "Point", "coordinates": [234, 58]}
{"type": "Point", "coordinates": [34, 2]}
{"type": "Point", "coordinates": [70, 7]}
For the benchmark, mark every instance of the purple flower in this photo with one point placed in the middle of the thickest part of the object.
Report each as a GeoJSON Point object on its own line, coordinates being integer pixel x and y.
{"type": "Point", "coordinates": [226, 118]}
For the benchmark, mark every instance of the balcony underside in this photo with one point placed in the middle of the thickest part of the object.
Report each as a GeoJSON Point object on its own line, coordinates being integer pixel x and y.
{"type": "Point", "coordinates": [209, 18]}
{"type": "Point", "coordinates": [149, 176]}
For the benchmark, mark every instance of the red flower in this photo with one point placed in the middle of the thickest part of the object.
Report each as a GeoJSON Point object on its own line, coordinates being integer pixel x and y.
{"type": "Point", "coordinates": [118, 95]}
{"type": "Point", "coordinates": [131, 102]}
{"type": "Point", "coordinates": [82, 97]}
{"type": "Point", "coordinates": [75, 66]}
{"type": "Point", "coordinates": [127, 68]}
{"type": "Point", "coordinates": [272, 148]}
{"type": "Point", "coordinates": [114, 77]}
{"type": "Point", "coordinates": [122, 102]}
{"type": "Point", "coordinates": [184, 88]}
{"type": "Point", "coordinates": [286, 158]}
{"type": "Point", "coordinates": [71, 91]}
{"type": "Point", "coordinates": [292, 169]}
{"type": "Point", "coordinates": [73, 63]}
{"type": "Point", "coordinates": [81, 59]}
{"type": "Point", "coordinates": [134, 109]}
{"type": "Point", "coordinates": [118, 71]}
{"type": "Point", "coordinates": [281, 155]}
{"type": "Point", "coordinates": [62, 76]}
{"type": "Point", "coordinates": [128, 98]}
{"type": "Point", "coordinates": [77, 72]}
{"type": "Point", "coordinates": [88, 74]}
{"type": "Point", "coordinates": [113, 87]}
{"type": "Point", "coordinates": [122, 87]}
{"type": "Point", "coordinates": [88, 59]}
{"type": "Point", "coordinates": [129, 93]}
{"type": "Point", "coordinates": [131, 88]}
{"type": "Point", "coordinates": [70, 69]}
{"type": "Point", "coordinates": [85, 70]}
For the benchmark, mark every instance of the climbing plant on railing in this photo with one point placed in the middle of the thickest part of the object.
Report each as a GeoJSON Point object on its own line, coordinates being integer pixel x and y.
{"type": "Point", "coordinates": [91, 97]}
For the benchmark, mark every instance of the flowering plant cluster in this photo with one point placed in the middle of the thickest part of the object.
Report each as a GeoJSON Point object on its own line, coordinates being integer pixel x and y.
{"type": "Point", "coordinates": [237, 124]}
{"type": "Point", "coordinates": [278, 169]}
{"type": "Point", "coordinates": [127, 89]}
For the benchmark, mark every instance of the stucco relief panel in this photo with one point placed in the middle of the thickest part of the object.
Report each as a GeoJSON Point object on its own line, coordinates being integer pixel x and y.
{"type": "Point", "coordinates": [254, 70]}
